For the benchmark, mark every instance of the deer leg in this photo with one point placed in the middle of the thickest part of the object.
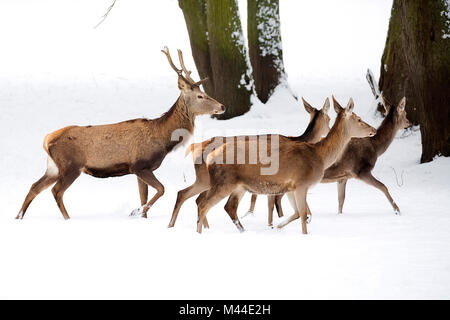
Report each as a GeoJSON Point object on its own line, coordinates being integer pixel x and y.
{"type": "Point", "coordinates": [270, 206]}
{"type": "Point", "coordinates": [143, 191]}
{"type": "Point", "coordinates": [300, 198]}
{"type": "Point", "coordinates": [39, 186]}
{"type": "Point", "coordinates": [208, 199]}
{"type": "Point", "coordinates": [185, 194]}
{"type": "Point", "coordinates": [149, 178]}
{"type": "Point", "coordinates": [295, 216]}
{"type": "Point", "coordinates": [232, 205]}
{"type": "Point", "coordinates": [308, 214]}
{"type": "Point", "coordinates": [370, 179]}
{"type": "Point", "coordinates": [278, 205]}
{"type": "Point", "coordinates": [252, 205]}
{"type": "Point", "coordinates": [341, 194]}
{"type": "Point", "coordinates": [63, 183]}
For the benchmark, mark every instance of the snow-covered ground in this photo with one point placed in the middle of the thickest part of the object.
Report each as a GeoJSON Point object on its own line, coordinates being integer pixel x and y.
{"type": "Point", "coordinates": [58, 71]}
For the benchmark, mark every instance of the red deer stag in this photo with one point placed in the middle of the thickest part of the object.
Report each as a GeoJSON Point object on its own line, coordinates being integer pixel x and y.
{"type": "Point", "coordinates": [132, 147]}
{"type": "Point", "coordinates": [361, 154]}
{"type": "Point", "coordinates": [301, 165]}
{"type": "Point", "coordinates": [319, 126]}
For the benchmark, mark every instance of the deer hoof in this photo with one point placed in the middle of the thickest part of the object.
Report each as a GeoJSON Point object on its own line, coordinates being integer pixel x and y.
{"type": "Point", "coordinates": [396, 209]}
{"type": "Point", "coordinates": [20, 216]}
{"type": "Point", "coordinates": [137, 212]}
{"type": "Point", "coordinates": [249, 213]}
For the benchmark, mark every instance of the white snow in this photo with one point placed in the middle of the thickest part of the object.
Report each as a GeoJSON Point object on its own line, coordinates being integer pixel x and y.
{"type": "Point", "coordinates": [56, 70]}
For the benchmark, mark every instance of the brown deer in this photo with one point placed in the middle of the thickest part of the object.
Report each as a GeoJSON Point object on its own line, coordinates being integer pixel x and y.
{"type": "Point", "coordinates": [361, 154]}
{"type": "Point", "coordinates": [301, 165]}
{"type": "Point", "coordinates": [319, 126]}
{"type": "Point", "coordinates": [132, 147]}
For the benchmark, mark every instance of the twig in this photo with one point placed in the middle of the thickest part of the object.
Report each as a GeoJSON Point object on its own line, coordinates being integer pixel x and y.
{"type": "Point", "coordinates": [396, 177]}
{"type": "Point", "coordinates": [106, 14]}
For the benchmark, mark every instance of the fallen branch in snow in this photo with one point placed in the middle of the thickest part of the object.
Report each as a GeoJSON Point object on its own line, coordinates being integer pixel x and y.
{"type": "Point", "coordinates": [106, 14]}
{"type": "Point", "coordinates": [373, 84]}
{"type": "Point", "coordinates": [374, 87]}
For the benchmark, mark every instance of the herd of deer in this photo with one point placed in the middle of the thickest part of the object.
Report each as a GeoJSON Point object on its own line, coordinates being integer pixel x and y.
{"type": "Point", "coordinates": [348, 150]}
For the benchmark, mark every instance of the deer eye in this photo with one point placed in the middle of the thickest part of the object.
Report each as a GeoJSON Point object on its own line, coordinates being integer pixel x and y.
{"type": "Point", "coordinates": [200, 97]}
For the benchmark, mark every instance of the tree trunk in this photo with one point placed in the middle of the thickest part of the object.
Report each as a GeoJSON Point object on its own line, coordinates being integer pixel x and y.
{"type": "Point", "coordinates": [194, 12]}
{"type": "Point", "coordinates": [228, 56]}
{"type": "Point", "coordinates": [265, 49]}
{"type": "Point", "coordinates": [416, 64]}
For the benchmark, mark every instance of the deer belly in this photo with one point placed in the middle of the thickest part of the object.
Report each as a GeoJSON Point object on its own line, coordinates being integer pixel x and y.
{"type": "Point", "coordinates": [115, 170]}
{"type": "Point", "coordinates": [269, 187]}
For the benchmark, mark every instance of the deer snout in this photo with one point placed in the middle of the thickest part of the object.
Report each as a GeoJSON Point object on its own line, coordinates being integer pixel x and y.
{"type": "Point", "coordinates": [221, 109]}
{"type": "Point", "coordinates": [407, 124]}
{"type": "Point", "coordinates": [373, 131]}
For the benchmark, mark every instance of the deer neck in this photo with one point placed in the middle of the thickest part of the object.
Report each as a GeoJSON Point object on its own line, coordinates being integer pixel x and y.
{"type": "Point", "coordinates": [176, 124]}
{"type": "Point", "coordinates": [385, 134]}
{"type": "Point", "coordinates": [311, 133]}
{"type": "Point", "coordinates": [332, 146]}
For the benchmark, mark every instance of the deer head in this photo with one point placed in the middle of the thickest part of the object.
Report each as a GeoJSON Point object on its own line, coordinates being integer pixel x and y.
{"type": "Point", "coordinates": [197, 101]}
{"type": "Point", "coordinates": [322, 118]}
{"type": "Point", "coordinates": [399, 113]}
{"type": "Point", "coordinates": [355, 127]}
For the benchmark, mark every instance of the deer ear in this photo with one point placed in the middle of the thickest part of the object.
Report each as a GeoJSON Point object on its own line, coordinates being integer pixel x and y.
{"type": "Point", "coordinates": [326, 106]}
{"type": "Point", "coordinates": [386, 104]}
{"type": "Point", "coordinates": [350, 106]}
{"type": "Point", "coordinates": [401, 105]}
{"type": "Point", "coordinates": [336, 105]}
{"type": "Point", "coordinates": [307, 106]}
{"type": "Point", "coordinates": [183, 85]}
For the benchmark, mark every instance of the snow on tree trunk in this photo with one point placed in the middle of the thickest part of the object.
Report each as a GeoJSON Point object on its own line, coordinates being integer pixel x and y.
{"type": "Point", "coordinates": [231, 70]}
{"type": "Point", "coordinates": [194, 12]}
{"type": "Point", "coordinates": [416, 64]}
{"type": "Point", "coordinates": [265, 48]}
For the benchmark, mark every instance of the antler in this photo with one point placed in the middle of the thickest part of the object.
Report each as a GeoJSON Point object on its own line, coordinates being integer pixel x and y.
{"type": "Point", "coordinates": [167, 53]}
{"type": "Point", "coordinates": [183, 68]}
{"type": "Point", "coordinates": [186, 71]}
{"type": "Point", "coordinates": [198, 83]}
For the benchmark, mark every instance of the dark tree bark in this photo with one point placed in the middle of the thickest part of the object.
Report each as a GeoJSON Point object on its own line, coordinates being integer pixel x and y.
{"type": "Point", "coordinates": [416, 64]}
{"type": "Point", "coordinates": [228, 55]}
{"type": "Point", "coordinates": [194, 12]}
{"type": "Point", "coordinates": [265, 46]}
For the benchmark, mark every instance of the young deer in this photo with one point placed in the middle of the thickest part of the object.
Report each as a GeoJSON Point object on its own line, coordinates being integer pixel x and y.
{"type": "Point", "coordinates": [132, 147]}
{"type": "Point", "coordinates": [313, 133]}
{"type": "Point", "coordinates": [361, 154]}
{"type": "Point", "coordinates": [301, 165]}
{"type": "Point", "coordinates": [319, 126]}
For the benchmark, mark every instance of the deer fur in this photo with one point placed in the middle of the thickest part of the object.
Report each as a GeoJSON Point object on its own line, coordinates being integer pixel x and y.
{"type": "Point", "coordinates": [361, 154]}
{"type": "Point", "coordinates": [301, 165]}
{"type": "Point", "coordinates": [319, 126]}
{"type": "Point", "coordinates": [131, 147]}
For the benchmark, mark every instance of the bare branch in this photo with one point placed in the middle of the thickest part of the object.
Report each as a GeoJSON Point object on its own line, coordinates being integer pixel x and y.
{"type": "Point", "coordinates": [106, 14]}
{"type": "Point", "coordinates": [373, 84]}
